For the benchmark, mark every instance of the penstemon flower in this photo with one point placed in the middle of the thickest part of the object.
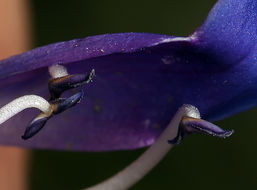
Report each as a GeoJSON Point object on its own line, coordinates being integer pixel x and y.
{"type": "Point", "coordinates": [142, 81]}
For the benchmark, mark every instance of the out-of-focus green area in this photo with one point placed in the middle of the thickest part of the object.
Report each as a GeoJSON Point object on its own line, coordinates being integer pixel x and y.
{"type": "Point", "coordinates": [200, 162]}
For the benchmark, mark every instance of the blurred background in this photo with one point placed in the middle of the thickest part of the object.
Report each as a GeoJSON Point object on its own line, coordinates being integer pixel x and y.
{"type": "Point", "coordinates": [201, 162]}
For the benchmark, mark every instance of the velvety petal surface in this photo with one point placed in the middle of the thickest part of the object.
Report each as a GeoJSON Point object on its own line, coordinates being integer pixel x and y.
{"type": "Point", "coordinates": [230, 30]}
{"type": "Point", "coordinates": [141, 80]}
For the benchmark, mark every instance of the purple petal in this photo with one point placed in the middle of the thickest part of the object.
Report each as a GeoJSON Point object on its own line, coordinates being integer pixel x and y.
{"type": "Point", "coordinates": [130, 101]}
{"type": "Point", "coordinates": [112, 114]}
{"type": "Point", "coordinates": [141, 81]}
{"type": "Point", "coordinates": [230, 30]}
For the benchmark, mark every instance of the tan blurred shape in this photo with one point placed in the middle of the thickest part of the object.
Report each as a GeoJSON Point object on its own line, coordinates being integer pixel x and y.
{"type": "Point", "coordinates": [15, 37]}
{"type": "Point", "coordinates": [15, 31]}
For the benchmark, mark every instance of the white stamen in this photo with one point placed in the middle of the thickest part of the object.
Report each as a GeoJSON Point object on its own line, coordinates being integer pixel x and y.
{"type": "Point", "coordinates": [57, 71]}
{"type": "Point", "coordinates": [21, 103]}
{"type": "Point", "coordinates": [139, 168]}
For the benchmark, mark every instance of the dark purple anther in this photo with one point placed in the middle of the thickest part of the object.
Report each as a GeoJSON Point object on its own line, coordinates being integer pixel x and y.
{"type": "Point", "coordinates": [58, 106]}
{"type": "Point", "coordinates": [62, 104]}
{"type": "Point", "coordinates": [189, 125]}
{"type": "Point", "coordinates": [35, 126]}
{"type": "Point", "coordinates": [57, 86]}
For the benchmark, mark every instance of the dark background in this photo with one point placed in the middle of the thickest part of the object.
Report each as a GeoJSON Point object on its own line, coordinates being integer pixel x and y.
{"type": "Point", "coordinates": [200, 162]}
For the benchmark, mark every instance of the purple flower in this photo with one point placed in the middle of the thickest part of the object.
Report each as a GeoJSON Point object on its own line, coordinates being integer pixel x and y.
{"type": "Point", "coordinates": [141, 81]}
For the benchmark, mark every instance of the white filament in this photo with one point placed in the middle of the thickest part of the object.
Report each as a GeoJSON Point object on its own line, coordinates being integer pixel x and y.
{"type": "Point", "coordinates": [140, 167]}
{"type": "Point", "coordinates": [57, 71]}
{"type": "Point", "coordinates": [21, 103]}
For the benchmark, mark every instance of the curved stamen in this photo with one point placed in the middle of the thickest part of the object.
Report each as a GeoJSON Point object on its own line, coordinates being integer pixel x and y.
{"type": "Point", "coordinates": [22, 103]}
{"type": "Point", "coordinates": [139, 168]}
{"type": "Point", "coordinates": [61, 82]}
